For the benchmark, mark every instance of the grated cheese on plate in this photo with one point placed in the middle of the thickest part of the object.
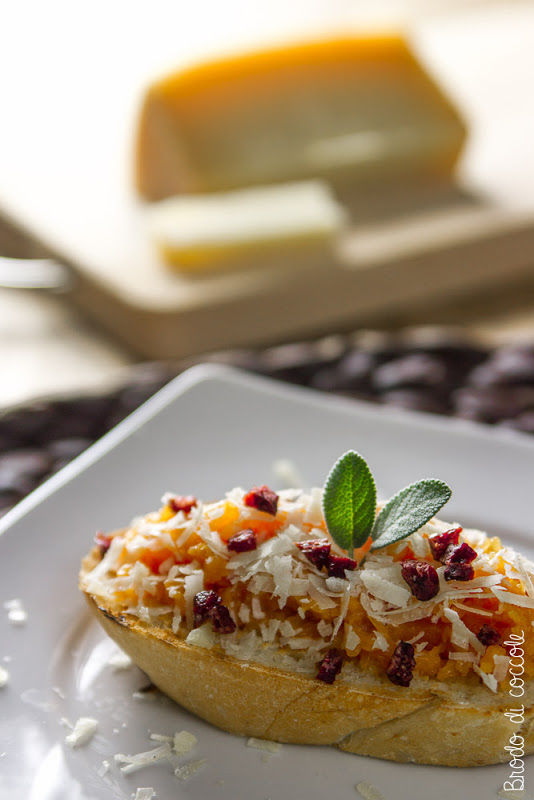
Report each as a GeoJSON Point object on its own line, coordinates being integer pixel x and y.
{"type": "Point", "coordinates": [369, 792]}
{"type": "Point", "coordinates": [15, 612]}
{"type": "Point", "coordinates": [187, 771]}
{"type": "Point", "coordinates": [264, 744]}
{"type": "Point", "coordinates": [4, 677]}
{"type": "Point", "coordinates": [146, 793]}
{"type": "Point", "coordinates": [82, 733]}
{"type": "Point", "coordinates": [184, 742]}
{"type": "Point", "coordinates": [131, 763]}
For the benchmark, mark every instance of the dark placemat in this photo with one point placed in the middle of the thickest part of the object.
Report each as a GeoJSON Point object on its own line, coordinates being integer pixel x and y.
{"type": "Point", "coordinates": [436, 371]}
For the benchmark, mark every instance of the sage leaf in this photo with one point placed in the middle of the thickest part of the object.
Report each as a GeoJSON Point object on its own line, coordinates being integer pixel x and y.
{"type": "Point", "coordinates": [409, 510]}
{"type": "Point", "coordinates": [349, 501]}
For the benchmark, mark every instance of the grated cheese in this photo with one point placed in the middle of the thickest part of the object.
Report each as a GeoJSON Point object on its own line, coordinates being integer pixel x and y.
{"type": "Point", "coordinates": [500, 670]}
{"type": "Point", "coordinates": [369, 792]}
{"type": "Point", "coordinates": [324, 628]}
{"type": "Point", "coordinates": [344, 607]}
{"type": "Point", "coordinates": [15, 612]}
{"type": "Point", "coordinates": [184, 742]}
{"type": "Point", "coordinates": [513, 599]}
{"type": "Point", "coordinates": [461, 636]}
{"type": "Point", "coordinates": [103, 769]}
{"type": "Point", "coordinates": [202, 636]}
{"type": "Point", "coordinates": [83, 731]}
{"type": "Point", "coordinates": [352, 640]}
{"type": "Point", "coordinates": [264, 744]}
{"type": "Point", "coordinates": [257, 613]}
{"type": "Point", "coordinates": [469, 657]}
{"type": "Point", "coordinates": [416, 638]}
{"type": "Point", "coordinates": [194, 584]}
{"type": "Point", "coordinates": [472, 609]}
{"type": "Point", "coordinates": [131, 763]}
{"type": "Point", "coordinates": [386, 590]}
{"type": "Point", "coordinates": [187, 771]}
{"type": "Point", "coordinates": [488, 679]}
{"type": "Point", "coordinates": [380, 642]}
{"type": "Point", "coordinates": [144, 793]}
{"type": "Point", "coordinates": [4, 677]}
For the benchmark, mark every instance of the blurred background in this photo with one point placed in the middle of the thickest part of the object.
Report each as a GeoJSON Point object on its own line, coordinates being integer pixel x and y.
{"type": "Point", "coordinates": [335, 193]}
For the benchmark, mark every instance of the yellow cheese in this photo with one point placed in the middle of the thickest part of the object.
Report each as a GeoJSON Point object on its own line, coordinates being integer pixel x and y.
{"type": "Point", "coordinates": [353, 111]}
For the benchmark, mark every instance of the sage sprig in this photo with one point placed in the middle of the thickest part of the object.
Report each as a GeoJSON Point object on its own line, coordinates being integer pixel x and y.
{"type": "Point", "coordinates": [349, 505]}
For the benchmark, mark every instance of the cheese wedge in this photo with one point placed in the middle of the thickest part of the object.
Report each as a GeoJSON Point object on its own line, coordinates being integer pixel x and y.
{"type": "Point", "coordinates": [226, 229]}
{"type": "Point", "coordinates": [352, 110]}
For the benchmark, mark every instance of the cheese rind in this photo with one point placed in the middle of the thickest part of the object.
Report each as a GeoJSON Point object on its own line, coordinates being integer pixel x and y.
{"type": "Point", "coordinates": [352, 110]}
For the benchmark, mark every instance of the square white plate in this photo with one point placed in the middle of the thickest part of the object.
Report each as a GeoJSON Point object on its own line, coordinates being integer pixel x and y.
{"type": "Point", "coordinates": [209, 430]}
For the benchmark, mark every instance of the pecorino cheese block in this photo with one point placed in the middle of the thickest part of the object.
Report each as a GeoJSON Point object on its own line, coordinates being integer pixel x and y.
{"type": "Point", "coordinates": [350, 110]}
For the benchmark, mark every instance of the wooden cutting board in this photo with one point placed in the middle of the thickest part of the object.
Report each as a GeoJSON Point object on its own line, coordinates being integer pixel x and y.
{"type": "Point", "coordinates": [69, 112]}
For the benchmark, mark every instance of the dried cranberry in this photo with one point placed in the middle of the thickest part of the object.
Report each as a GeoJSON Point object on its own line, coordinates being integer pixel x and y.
{"type": "Point", "coordinates": [262, 498]}
{"type": "Point", "coordinates": [488, 635]}
{"type": "Point", "coordinates": [316, 550]}
{"type": "Point", "coordinates": [203, 603]}
{"type": "Point", "coordinates": [242, 542]}
{"type": "Point", "coordinates": [103, 540]}
{"type": "Point", "coordinates": [221, 620]}
{"type": "Point", "coordinates": [181, 503]}
{"type": "Point", "coordinates": [442, 541]}
{"type": "Point", "coordinates": [336, 565]}
{"type": "Point", "coordinates": [462, 554]}
{"type": "Point", "coordinates": [208, 605]}
{"type": "Point", "coordinates": [330, 666]}
{"type": "Point", "coordinates": [421, 577]}
{"type": "Point", "coordinates": [400, 669]}
{"type": "Point", "coordinates": [459, 571]}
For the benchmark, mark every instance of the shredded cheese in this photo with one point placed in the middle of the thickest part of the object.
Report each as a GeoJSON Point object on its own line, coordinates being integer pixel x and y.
{"type": "Point", "coordinates": [146, 793]}
{"type": "Point", "coordinates": [264, 744]}
{"type": "Point", "coordinates": [187, 771]}
{"type": "Point", "coordinates": [82, 733]}
{"type": "Point", "coordinates": [4, 677]}
{"type": "Point", "coordinates": [369, 792]}
{"type": "Point", "coordinates": [15, 612]}
{"type": "Point", "coordinates": [131, 763]}
{"type": "Point", "coordinates": [184, 742]}
{"type": "Point", "coordinates": [488, 679]}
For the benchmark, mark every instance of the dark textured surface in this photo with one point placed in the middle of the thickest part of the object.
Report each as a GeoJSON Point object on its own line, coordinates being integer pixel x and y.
{"type": "Point", "coordinates": [436, 372]}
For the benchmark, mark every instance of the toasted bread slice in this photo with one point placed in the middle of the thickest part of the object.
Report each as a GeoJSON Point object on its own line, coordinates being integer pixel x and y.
{"type": "Point", "coordinates": [456, 724]}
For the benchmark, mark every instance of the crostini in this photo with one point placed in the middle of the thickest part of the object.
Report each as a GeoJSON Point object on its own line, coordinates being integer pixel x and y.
{"type": "Point", "coordinates": [246, 612]}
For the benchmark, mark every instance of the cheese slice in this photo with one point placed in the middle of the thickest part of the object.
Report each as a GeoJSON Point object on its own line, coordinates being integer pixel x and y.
{"type": "Point", "coordinates": [351, 110]}
{"type": "Point", "coordinates": [225, 228]}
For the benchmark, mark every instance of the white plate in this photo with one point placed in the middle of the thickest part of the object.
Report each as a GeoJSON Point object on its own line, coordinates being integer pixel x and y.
{"type": "Point", "coordinates": [209, 430]}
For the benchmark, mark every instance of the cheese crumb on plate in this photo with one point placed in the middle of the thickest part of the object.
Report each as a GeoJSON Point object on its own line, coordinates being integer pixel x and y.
{"type": "Point", "coordinates": [83, 731]}
{"type": "Point", "coordinates": [264, 744]}
{"type": "Point", "coordinates": [4, 677]}
{"type": "Point", "coordinates": [369, 792]}
{"type": "Point", "coordinates": [15, 611]}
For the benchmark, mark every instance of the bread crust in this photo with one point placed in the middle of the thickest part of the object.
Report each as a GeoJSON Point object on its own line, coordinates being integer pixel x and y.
{"type": "Point", "coordinates": [366, 716]}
